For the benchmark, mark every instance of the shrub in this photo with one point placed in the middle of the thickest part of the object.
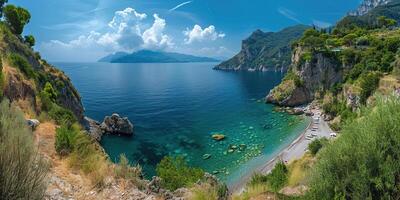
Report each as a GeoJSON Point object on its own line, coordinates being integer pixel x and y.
{"type": "Point", "coordinates": [16, 18]}
{"type": "Point", "coordinates": [368, 84]}
{"type": "Point", "coordinates": [62, 115]}
{"type": "Point", "coordinates": [22, 170]}
{"type": "Point", "coordinates": [30, 40]}
{"type": "Point", "coordinates": [89, 159]}
{"type": "Point", "coordinates": [22, 64]}
{"type": "Point", "coordinates": [49, 92]}
{"type": "Point", "coordinates": [278, 177]}
{"type": "Point", "coordinates": [258, 179]}
{"type": "Point", "coordinates": [126, 171]}
{"type": "Point", "coordinates": [175, 173]}
{"type": "Point", "coordinates": [65, 140]}
{"type": "Point", "coordinates": [316, 145]}
{"type": "Point", "coordinates": [1, 79]}
{"type": "Point", "coordinates": [364, 163]}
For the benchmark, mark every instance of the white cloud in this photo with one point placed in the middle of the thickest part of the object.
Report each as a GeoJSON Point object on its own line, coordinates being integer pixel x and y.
{"type": "Point", "coordinates": [124, 33]}
{"type": "Point", "coordinates": [180, 5]}
{"type": "Point", "coordinates": [289, 14]}
{"type": "Point", "coordinates": [154, 37]}
{"type": "Point", "coordinates": [199, 34]}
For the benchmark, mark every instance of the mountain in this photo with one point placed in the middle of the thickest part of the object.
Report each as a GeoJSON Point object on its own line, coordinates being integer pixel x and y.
{"type": "Point", "coordinates": [147, 56]}
{"type": "Point", "coordinates": [265, 50]}
{"type": "Point", "coordinates": [113, 56]}
{"type": "Point", "coordinates": [368, 17]}
{"type": "Point", "coordinates": [367, 6]}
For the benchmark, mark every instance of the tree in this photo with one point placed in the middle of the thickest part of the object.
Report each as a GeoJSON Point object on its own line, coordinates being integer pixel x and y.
{"type": "Point", "coordinates": [385, 22]}
{"type": "Point", "coordinates": [16, 18]}
{"type": "Point", "coordinates": [2, 2]}
{"type": "Point", "coordinates": [30, 40]}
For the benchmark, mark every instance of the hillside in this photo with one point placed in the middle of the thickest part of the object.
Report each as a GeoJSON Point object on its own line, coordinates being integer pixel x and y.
{"type": "Point", "coordinates": [265, 51]}
{"type": "Point", "coordinates": [147, 56]}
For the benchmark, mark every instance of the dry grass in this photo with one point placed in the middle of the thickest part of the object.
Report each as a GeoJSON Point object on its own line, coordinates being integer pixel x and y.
{"type": "Point", "coordinates": [298, 170]}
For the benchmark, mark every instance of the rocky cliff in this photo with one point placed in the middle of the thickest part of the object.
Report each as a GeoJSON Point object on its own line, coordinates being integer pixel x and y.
{"type": "Point", "coordinates": [368, 5]}
{"type": "Point", "coordinates": [306, 78]}
{"type": "Point", "coordinates": [265, 51]}
{"type": "Point", "coordinates": [25, 75]}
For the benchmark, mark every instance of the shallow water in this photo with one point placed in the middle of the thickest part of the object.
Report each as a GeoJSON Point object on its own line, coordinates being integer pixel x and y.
{"type": "Point", "coordinates": [177, 107]}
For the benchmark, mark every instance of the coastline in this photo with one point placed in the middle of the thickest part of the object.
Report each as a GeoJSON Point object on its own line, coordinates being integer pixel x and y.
{"type": "Point", "coordinates": [293, 151]}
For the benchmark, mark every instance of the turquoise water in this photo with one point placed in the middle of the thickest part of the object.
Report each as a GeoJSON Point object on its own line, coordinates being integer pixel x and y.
{"type": "Point", "coordinates": [177, 107]}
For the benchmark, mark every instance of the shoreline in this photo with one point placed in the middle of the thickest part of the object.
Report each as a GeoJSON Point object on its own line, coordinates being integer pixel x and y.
{"type": "Point", "coordinates": [293, 151]}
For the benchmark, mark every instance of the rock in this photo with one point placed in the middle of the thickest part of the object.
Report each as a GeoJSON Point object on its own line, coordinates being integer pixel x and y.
{"type": "Point", "coordinates": [115, 124]}
{"type": "Point", "coordinates": [93, 128]}
{"type": "Point", "coordinates": [218, 137]}
{"type": "Point", "coordinates": [33, 123]}
{"type": "Point", "coordinates": [206, 156]}
{"type": "Point", "coordinates": [154, 185]}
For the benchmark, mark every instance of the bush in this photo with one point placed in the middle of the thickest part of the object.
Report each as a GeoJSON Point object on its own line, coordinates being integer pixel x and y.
{"type": "Point", "coordinates": [316, 145]}
{"type": "Point", "coordinates": [368, 84]}
{"type": "Point", "coordinates": [16, 18]}
{"type": "Point", "coordinates": [364, 163]}
{"type": "Point", "coordinates": [23, 171]}
{"type": "Point", "coordinates": [22, 64]}
{"type": "Point", "coordinates": [126, 171]}
{"type": "Point", "coordinates": [278, 177]}
{"type": "Point", "coordinates": [30, 40]}
{"type": "Point", "coordinates": [87, 157]}
{"type": "Point", "coordinates": [175, 173]}
{"type": "Point", "coordinates": [65, 140]}
{"type": "Point", "coordinates": [62, 115]}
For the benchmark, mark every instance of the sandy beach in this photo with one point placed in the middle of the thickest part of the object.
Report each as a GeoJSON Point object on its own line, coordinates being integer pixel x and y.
{"type": "Point", "coordinates": [318, 128]}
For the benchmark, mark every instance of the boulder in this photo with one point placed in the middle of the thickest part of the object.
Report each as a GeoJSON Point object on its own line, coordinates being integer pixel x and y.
{"type": "Point", "coordinates": [32, 123]}
{"type": "Point", "coordinates": [218, 137]}
{"type": "Point", "coordinates": [115, 124]}
{"type": "Point", "coordinates": [93, 128]}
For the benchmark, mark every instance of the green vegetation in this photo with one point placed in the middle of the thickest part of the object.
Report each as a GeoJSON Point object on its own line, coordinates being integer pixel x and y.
{"type": "Point", "coordinates": [1, 79]}
{"type": "Point", "coordinates": [22, 170]}
{"type": "Point", "coordinates": [368, 84]}
{"type": "Point", "coordinates": [16, 18]}
{"type": "Point", "coordinates": [316, 145]}
{"type": "Point", "coordinates": [65, 140]}
{"type": "Point", "coordinates": [364, 162]}
{"type": "Point", "coordinates": [22, 64]}
{"type": "Point", "coordinates": [175, 173]}
{"type": "Point", "coordinates": [275, 180]}
{"type": "Point", "coordinates": [126, 171]}
{"type": "Point", "coordinates": [30, 40]}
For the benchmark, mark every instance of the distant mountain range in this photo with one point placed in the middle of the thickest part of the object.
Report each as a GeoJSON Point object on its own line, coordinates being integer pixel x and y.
{"type": "Point", "coordinates": [265, 51]}
{"type": "Point", "coordinates": [147, 56]}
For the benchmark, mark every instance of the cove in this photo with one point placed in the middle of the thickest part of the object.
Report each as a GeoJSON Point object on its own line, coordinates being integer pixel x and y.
{"type": "Point", "coordinates": [177, 107]}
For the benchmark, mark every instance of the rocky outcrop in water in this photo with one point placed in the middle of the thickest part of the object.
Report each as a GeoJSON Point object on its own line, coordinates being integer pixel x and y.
{"type": "Point", "coordinates": [114, 124]}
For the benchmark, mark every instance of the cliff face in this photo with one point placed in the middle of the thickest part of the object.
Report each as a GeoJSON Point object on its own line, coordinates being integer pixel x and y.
{"type": "Point", "coordinates": [25, 75]}
{"type": "Point", "coordinates": [265, 51]}
{"type": "Point", "coordinates": [367, 6]}
{"type": "Point", "coordinates": [305, 79]}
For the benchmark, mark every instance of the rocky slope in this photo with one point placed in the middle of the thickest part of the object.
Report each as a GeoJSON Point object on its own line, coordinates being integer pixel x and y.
{"type": "Point", "coordinates": [25, 75]}
{"type": "Point", "coordinates": [305, 79]}
{"type": "Point", "coordinates": [265, 51]}
{"type": "Point", "coordinates": [368, 5]}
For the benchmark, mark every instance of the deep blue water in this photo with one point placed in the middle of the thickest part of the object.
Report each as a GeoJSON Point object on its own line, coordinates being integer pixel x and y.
{"type": "Point", "coordinates": [177, 107]}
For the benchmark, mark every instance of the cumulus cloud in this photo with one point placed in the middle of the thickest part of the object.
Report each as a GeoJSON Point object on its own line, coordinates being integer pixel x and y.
{"type": "Point", "coordinates": [199, 34]}
{"type": "Point", "coordinates": [126, 32]}
{"type": "Point", "coordinates": [154, 37]}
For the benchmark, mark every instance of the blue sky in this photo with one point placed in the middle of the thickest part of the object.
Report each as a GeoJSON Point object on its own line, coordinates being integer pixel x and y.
{"type": "Point", "coordinates": [85, 30]}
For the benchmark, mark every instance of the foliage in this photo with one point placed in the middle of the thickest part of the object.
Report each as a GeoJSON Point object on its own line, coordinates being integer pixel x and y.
{"type": "Point", "coordinates": [296, 78]}
{"type": "Point", "coordinates": [316, 145]}
{"type": "Point", "coordinates": [385, 22]}
{"type": "Point", "coordinates": [364, 162]}
{"type": "Point", "coordinates": [22, 64]}
{"type": "Point", "coordinates": [62, 115]}
{"type": "Point", "coordinates": [49, 92]}
{"type": "Point", "coordinates": [126, 171]}
{"type": "Point", "coordinates": [16, 18]}
{"type": "Point", "coordinates": [87, 157]}
{"type": "Point", "coordinates": [30, 40]}
{"type": "Point", "coordinates": [274, 180]}
{"type": "Point", "coordinates": [65, 140]}
{"type": "Point", "coordinates": [23, 171]}
{"type": "Point", "coordinates": [1, 79]}
{"type": "Point", "coordinates": [368, 83]}
{"type": "Point", "coordinates": [175, 173]}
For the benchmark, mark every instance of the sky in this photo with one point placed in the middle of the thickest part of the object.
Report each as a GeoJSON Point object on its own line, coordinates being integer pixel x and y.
{"type": "Point", "coordinates": [86, 30]}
